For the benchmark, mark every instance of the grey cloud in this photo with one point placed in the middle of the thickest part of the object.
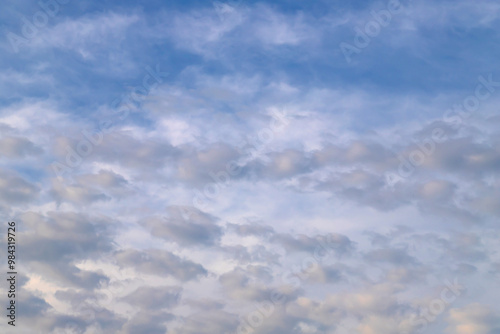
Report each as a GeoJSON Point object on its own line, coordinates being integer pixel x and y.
{"type": "Point", "coordinates": [495, 268]}
{"type": "Point", "coordinates": [75, 297]}
{"type": "Point", "coordinates": [407, 274]}
{"type": "Point", "coordinates": [367, 189]}
{"type": "Point", "coordinates": [89, 188]}
{"type": "Point", "coordinates": [397, 257]}
{"type": "Point", "coordinates": [475, 318]}
{"type": "Point", "coordinates": [63, 323]}
{"type": "Point", "coordinates": [75, 193]}
{"type": "Point", "coordinates": [452, 250]}
{"type": "Point", "coordinates": [143, 157]}
{"type": "Point", "coordinates": [104, 178]}
{"type": "Point", "coordinates": [261, 273]}
{"type": "Point", "coordinates": [378, 239]}
{"type": "Point", "coordinates": [108, 321]}
{"type": "Point", "coordinates": [4, 128]}
{"type": "Point", "coordinates": [324, 274]}
{"type": "Point", "coordinates": [409, 252]}
{"type": "Point", "coordinates": [147, 322]}
{"type": "Point", "coordinates": [486, 200]}
{"type": "Point", "coordinates": [467, 247]}
{"type": "Point", "coordinates": [356, 152]}
{"type": "Point", "coordinates": [154, 298]}
{"type": "Point", "coordinates": [339, 244]}
{"type": "Point", "coordinates": [426, 131]}
{"type": "Point", "coordinates": [466, 269]}
{"type": "Point", "coordinates": [196, 229]}
{"type": "Point", "coordinates": [18, 147]}
{"type": "Point", "coordinates": [52, 244]}
{"type": "Point", "coordinates": [282, 322]}
{"type": "Point", "coordinates": [292, 163]}
{"type": "Point", "coordinates": [464, 155]}
{"type": "Point", "coordinates": [30, 305]}
{"type": "Point", "coordinates": [199, 167]}
{"type": "Point", "coordinates": [366, 180]}
{"type": "Point", "coordinates": [437, 190]}
{"type": "Point", "coordinates": [283, 164]}
{"type": "Point", "coordinates": [67, 274]}
{"type": "Point", "coordinates": [86, 305]}
{"type": "Point", "coordinates": [16, 190]}
{"type": "Point", "coordinates": [208, 321]}
{"type": "Point", "coordinates": [66, 235]}
{"type": "Point", "coordinates": [449, 211]}
{"type": "Point", "coordinates": [159, 262]}
{"type": "Point", "coordinates": [254, 254]}
{"type": "Point", "coordinates": [251, 229]}
{"type": "Point", "coordinates": [204, 304]}
{"type": "Point", "coordinates": [238, 285]}
{"type": "Point", "coordinates": [376, 301]}
{"type": "Point", "coordinates": [104, 322]}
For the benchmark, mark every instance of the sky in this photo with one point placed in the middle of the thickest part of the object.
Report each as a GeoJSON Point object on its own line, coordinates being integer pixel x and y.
{"type": "Point", "coordinates": [236, 167]}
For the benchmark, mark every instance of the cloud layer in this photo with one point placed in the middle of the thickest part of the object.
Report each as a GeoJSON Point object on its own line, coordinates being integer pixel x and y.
{"type": "Point", "coordinates": [226, 167]}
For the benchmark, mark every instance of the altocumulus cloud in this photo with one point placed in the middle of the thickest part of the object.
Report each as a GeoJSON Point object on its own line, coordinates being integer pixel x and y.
{"type": "Point", "coordinates": [262, 184]}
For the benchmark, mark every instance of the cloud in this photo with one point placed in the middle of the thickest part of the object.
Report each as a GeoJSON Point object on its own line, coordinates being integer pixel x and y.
{"type": "Point", "coordinates": [393, 256]}
{"type": "Point", "coordinates": [154, 298]}
{"type": "Point", "coordinates": [104, 178]}
{"type": "Point", "coordinates": [17, 147]}
{"type": "Point", "coordinates": [194, 228]}
{"type": "Point", "coordinates": [208, 321]}
{"type": "Point", "coordinates": [473, 318]}
{"type": "Point", "coordinates": [339, 244]}
{"type": "Point", "coordinates": [75, 193]}
{"type": "Point", "coordinates": [237, 285]}
{"type": "Point", "coordinates": [150, 322]}
{"type": "Point", "coordinates": [158, 262]}
{"type": "Point", "coordinates": [16, 190]}
{"type": "Point", "coordinates": [252, 229]}
{"type": "Point", "coordinates": [53, 244]}
{"type": "Point", "coordinates": [338, 164]}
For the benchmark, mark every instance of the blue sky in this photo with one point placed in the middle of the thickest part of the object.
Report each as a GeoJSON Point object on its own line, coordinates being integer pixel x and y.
{"type": "Point", "coordinates": [173, 165]}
